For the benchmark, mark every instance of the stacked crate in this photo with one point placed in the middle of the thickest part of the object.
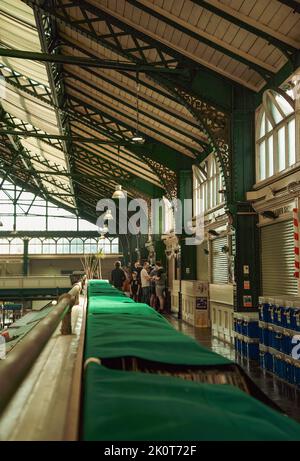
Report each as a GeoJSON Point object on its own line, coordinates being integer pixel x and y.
{"type": "Point", "coordinates": [279, 332]}
{"type": "Point", "coordinates": [246, 335]}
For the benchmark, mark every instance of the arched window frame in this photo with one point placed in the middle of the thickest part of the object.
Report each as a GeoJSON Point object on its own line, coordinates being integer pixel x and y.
{"type": "Point", "coordinates": [276, 149]}
{"type": "Point", "coordinates": [207, 184]}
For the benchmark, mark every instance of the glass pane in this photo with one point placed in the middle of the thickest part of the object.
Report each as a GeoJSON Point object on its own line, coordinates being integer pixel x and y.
{"type": "Point", "coordinates": [262, 161]}
{"type": "Point", "coordinates": [270, 156]}
{"type": "Point", "coordinates": [63, 224]}
{"type": "Point", "coordinates": [16, 246]}
{"type": "Point", "coordinates": [262, 130]}
{"type": "Point", "coordinates": [269, 126]}
{"type": "Point", "coordinates": [292, 142]}
{"type": "Point", "coordinates": [284, 105]}
{"type": "Point", "coordinates": [281, 149]}
{"type": "Point", "coordinates": [276, 114]}
{"type": "Point", "coordinates": [35, 246]}
{"type": "Point", "coordinates": [4, 246]}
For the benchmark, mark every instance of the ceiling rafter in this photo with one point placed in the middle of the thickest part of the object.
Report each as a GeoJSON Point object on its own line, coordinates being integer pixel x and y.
{"type": "Point", "coordinates": [164, 16]}
{"type": "Point", "coordinates": [295, 6]}
{"type": "Point", "coordinates": [222, 11]}
{"type": "Point", "coordinates": [120, 100]}
{"type": "Point", "coordinates": [193, 103]}
{"type": "Point", "coordinates": [23, 83]}
{"type": "Point", "coordinates": [130, 127]}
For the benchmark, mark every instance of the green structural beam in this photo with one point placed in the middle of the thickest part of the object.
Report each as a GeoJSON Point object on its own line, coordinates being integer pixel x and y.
{"type": "Point", "coordinates": [286, 49]}
{"type": "Point", "coordinates": [88, 62]}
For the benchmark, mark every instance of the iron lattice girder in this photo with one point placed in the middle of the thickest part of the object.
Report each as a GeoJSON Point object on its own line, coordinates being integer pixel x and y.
{"type": "Point", "coordinates": [96, 185]}
{"type": "Point", "coordinates": [120, 87]}
{"type": "Point", "coordinates": [286, 49]}
{"type": "Point", "coordinates": [25, 154]}
{"type": "Point", "coordinates": [29, 86]}
{"type": "Point", "coordinates": [129, 129]}
{"type": "Point", "coordinates": [10, 121]}
{"type": "Point", "coordinates": [130, 106]}
{"type": "Point", "coordinates": [22, 84]}
{"type": "Point", "coordinates": [29, 130]}
{"type": "Point", "coordinates": [217, 135]}
{"type": "Point", "coordinates": [262, 71]}
{"type": "Point", "coordinates": [47, 38]}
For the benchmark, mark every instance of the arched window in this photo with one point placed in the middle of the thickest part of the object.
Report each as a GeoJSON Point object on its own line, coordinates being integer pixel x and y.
{"type": "Point", "coordinates": [275, 134]}
{"type": "Point", "coordinates": [207, 186]}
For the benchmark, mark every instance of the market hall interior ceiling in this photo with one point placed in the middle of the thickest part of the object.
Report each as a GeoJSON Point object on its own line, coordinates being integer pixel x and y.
{"type": "Point", "coordinates": [79, 80]}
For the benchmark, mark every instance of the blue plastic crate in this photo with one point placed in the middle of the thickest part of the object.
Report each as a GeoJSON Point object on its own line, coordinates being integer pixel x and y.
{"type": "Point", "coordinates": [262, 359]}
{"type": "Point", "coordinates": [244, 348]}
{"type": "Point", "coordinates": [269, 361]}
{"type": "Point", "coordinates": [253, 351]}
{"type": "Point", "coordinates": [288, 345]}
{"type": "Point", "coordinates": [295, 319]}
{"type": "Point", "coordinates": [276, 315]}
{"type": "Point", "coordinates": [278, 341]}
{"type": "Point", "coordinates": [266, 336]}
{"type": "Point", "coordinates": [297, 375]}
{"type": "Point", "coordinates": [252, 329]}
{"type": "Point", "coordinates": [266, 312]}
{"type": "Point", "coordinates": [290, 372]}
{"type": "Point", "coordinates": [285, 317]}
{"type": "Point", "coordinates": [239, 346]}
{"type": "Point", "coordinates": [239, 326]}
{"type": "Point", "coordinates": [244, 328]}
{"type": "Point", "coordinates": [260, 335]}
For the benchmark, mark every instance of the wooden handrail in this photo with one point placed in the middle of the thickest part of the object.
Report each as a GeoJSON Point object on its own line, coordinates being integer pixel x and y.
{"type": "Point", "coordinates": [14, 368]}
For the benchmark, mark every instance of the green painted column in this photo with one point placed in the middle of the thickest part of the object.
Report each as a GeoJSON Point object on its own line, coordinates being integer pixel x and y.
{"type": "Point", "coordinates": [25, 257]}
{"type": "Point", "coordinates": [188, 252]}
{"type": "Point", "coordinates": [247, 266]}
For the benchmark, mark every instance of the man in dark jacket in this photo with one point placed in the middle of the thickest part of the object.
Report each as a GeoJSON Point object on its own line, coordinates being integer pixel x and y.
{"type": "Point", "coordinates": [118, 276]}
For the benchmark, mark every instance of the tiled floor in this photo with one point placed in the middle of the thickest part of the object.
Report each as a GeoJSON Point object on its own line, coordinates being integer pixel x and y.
{"type": "Point", "coordinates": [285, 395]}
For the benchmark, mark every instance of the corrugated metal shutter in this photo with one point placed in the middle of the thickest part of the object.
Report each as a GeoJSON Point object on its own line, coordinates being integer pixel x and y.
{"type": "Point", "coordinates": [277, 260]}
{"type": "Point", "coordinates": [219, 261]}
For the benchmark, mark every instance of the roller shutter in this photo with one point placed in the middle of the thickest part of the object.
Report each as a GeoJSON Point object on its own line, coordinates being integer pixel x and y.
{"type": "Point", "coordinates": [219, 261]}
{"type": "Point", "coordinates": [277, 260]}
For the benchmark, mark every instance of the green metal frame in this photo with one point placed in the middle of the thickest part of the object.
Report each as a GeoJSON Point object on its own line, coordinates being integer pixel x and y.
{"type": "Point", "coordinates": [217, 136]}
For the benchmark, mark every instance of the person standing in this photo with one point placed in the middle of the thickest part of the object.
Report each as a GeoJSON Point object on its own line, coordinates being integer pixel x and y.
{"type": "Point", "coordinates": [153, 272]}
{"type": "Point", "coordinates": [137, 270]}
{"type": "Point", "coordinates": [118, 276]}
{"type": "Point", "coordinates": [145, 283]}
{"type": "Point", "coordinates": [160, 286]}
{"type": "Point", "coordinates": [134, 287]}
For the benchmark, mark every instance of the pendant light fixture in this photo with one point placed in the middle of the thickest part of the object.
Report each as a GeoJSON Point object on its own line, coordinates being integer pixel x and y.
{"type": "Point", "coordinates": [118, 194]}
{"type": "Point", "coordinates": [137, 137]}
{"type": "Point", "coordinates": [108, 216]}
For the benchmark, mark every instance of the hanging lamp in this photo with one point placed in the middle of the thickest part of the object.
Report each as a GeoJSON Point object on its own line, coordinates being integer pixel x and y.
{"type": "Point", "coordinates": [137, 138]}
{"type": "Point", "coordinates": [118, 193]}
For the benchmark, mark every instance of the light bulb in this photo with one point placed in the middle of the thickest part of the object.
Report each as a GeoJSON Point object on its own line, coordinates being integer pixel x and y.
{"type": "Point", "coordinates": [118, 194]}
{"type": "Point", "coordinates": [108, 216]}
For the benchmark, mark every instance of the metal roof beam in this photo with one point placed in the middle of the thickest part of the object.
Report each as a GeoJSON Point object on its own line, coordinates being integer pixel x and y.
{"type": "Point", "coordinates": [259, 68]}
{"type": "Point", "coordinates": [88, 62]}
{"type": "Point", "coordinates": [164, 123]}
{"type": "Point", "coordinates": [130, 127]}
{"type": "Point", "coordinates": [286, 49]}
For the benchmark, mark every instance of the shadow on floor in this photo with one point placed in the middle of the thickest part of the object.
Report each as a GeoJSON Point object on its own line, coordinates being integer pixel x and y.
{"type": "Point", "coordinates": [283, 394]}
